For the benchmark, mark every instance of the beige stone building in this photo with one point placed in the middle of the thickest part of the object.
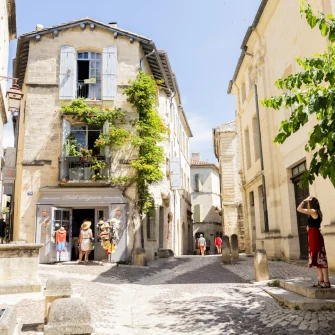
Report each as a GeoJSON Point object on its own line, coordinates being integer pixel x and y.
{"type": "Point", "coordinates": [277, 36]}
{"type": "Point", "coordinates": [206, 201]}
{"type": "Point", "coordinates": [94, 61]}
{"type": "Point", "coordinates": [226, 151]}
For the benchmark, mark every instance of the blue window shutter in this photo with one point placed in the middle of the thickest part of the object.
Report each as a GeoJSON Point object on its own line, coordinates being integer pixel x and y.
{"type": "Point", "coordinates": [105, 130]}
{"type": "Point", "coordinates": [109, 73]}
{"type": "Point", "coordinates": [67, 74]}
{"type": "Point", "coordinates": [66, 133]}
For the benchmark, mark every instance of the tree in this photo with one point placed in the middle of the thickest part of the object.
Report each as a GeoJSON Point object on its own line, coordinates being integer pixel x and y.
{"type": "Point", "coordinates": [312, 92]}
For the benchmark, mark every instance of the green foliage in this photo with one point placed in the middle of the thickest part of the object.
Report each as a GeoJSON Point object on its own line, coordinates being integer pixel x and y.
{"type": "Point", "coordinates": [142, 94]}
{"type": "Point", "coordinates": [94, 115]}
{"type": "Point", "coordinates": [274, 283]}
{"type": "Point", "coordinates": [120, 181]}
{"type": "Point", "coordinates": [115, 137]}
{"type": "Point", "coordinates": [5, 210]}
{"type": "Point", "coordinates": [312, 93]}
{"type": "Point", "coordinates": [71, 146]}
{"type": "Point", "coordinates": [99, 167]}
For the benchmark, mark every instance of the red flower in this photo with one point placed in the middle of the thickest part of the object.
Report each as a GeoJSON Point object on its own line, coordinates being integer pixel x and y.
{"type": "Point", "coordinates": [106, 109]}
{"type": "Point", "coordinates": [144, 102]}
{"type": "Point", "coordinates": [91, 115]}
{"type": "Point", "coordinates": [110, 133]}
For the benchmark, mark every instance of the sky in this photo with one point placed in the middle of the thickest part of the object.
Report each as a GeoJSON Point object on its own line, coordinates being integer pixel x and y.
{"type": "Point", "coordinates": [202, 39]}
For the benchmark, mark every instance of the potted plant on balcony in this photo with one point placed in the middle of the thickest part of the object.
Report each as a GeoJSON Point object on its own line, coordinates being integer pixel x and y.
{"type": "Point", "coordinates": [100, 169]}
{"type": "Point", "coordinates": [85, 153]}
{"type": "Point", "coordinates": [71, 149]}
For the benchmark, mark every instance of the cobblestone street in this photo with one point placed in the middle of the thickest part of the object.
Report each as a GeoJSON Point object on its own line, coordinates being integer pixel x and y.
{"type": "Point", "coordinates": [187, 295]}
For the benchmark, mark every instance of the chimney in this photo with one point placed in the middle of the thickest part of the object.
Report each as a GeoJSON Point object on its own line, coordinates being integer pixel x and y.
{"type": "Point", "coordinates": [113, 24]}
{"type": "Point", "coordinates": [39, 27]}
{"type": "Point", "coordinates": [196, 156]}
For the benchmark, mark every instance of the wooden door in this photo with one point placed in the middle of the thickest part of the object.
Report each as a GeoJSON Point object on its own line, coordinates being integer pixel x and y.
{"type": "Point", "coordinates": [302, 219]}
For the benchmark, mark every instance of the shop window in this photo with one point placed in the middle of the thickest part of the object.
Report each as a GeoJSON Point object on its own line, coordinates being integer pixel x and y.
{"type": "Point", "coordinates": [151, 224]}
{"type": "Point", "coordinates": [89, 75]}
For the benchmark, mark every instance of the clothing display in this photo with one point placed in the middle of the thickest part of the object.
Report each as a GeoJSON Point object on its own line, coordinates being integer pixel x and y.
{"type": "Point", "coordinates": [60, 240]}
{"type": "Point", "coordinates": [86, 240]}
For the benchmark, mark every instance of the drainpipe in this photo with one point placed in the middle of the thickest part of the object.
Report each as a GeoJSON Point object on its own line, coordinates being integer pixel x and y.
{"type": "Point", "coordinates": [265, 207]}
{"type": "Point", "coordinates": [145, 56]}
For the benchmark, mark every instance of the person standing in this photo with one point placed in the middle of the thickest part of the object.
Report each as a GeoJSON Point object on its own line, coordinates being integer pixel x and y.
{"type": "Point", "coordinates": [316, 247]}
{"type": "Point", "coordinates": [218, 243]}
{"type": "Point", "coordinates": [84, 242]}
{"type": "Point", "coordinates": [202, 244]}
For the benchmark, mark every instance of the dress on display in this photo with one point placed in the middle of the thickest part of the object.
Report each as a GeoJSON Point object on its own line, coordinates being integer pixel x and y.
{"type": "Point", "coordinates": [86, 240]}
{"type": "Point", "coordinates": [60, 240]}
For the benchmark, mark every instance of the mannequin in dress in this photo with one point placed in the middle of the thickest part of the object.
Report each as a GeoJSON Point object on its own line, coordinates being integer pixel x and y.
{"type": "Point", "coordinates": [60, 240]}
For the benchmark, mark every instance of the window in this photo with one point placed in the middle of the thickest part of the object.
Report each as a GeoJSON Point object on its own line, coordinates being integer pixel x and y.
{"type": "Point", "coordinates": [197, 183]}
{"type": "Point", "coordinates": [94, 77]}
{"type": "Point", "coordinates": [89, 75]}
{"type": "Point", "coordinates": [247, 148]}
{"type": "Point", "coordinates": [251, 199]}
{"type": "Point", "coordinates": [255, 137]}
{"type": "Point", "coordinates": [299, 169]}
{"type": "Point", "coordinates": [85, 137]}
{"type": "Point", "coordinates": [151, 224]}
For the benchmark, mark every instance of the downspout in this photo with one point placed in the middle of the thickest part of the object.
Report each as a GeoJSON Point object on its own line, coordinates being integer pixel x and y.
{"type": "Point", "coordinates": [146, 56]}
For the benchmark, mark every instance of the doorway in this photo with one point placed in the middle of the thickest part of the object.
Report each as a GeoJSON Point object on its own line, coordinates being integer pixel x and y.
{"type": "Point", "coordinates": [78, 216]}
{"type": "Point", "coordinates": [302, 219]}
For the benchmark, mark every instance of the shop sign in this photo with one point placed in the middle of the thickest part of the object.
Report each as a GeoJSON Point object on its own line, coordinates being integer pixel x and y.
{"type": "Point", "coordinates": [79, 198]}
{"type": "Point", "coordinates": [8, 173]}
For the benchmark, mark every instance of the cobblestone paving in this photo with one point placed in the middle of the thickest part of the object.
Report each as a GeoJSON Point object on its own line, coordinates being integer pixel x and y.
{"type": "Point", "coordinates": [187, 295]}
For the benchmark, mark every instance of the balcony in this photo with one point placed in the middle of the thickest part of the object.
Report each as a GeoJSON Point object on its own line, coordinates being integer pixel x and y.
{"type": "Point", "coordinates": [83, 171]}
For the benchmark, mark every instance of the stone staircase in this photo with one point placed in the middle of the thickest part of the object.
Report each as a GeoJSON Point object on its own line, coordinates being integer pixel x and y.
{"type": "Point", "coordinates": [299, 294]}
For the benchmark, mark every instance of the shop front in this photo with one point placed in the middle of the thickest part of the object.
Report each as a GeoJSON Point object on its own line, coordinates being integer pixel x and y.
{"type": "Point", "coordinates": [60, 209]}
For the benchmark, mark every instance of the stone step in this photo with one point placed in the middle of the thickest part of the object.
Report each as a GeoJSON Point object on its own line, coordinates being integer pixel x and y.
{"type": "Point", "coordinates": [298, 302]}
{"type": "Point", "coordinates": [304, 287]}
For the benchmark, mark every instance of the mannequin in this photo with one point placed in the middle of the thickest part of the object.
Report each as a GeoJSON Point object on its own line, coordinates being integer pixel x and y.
{"type": "Point", "coordinates": [60, 240]}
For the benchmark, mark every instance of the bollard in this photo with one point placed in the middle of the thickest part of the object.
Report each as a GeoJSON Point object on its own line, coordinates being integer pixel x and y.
{"type": "Point", "coordinates": [225, 250]}
{"type": "Point", "coordinates": [69, 316]}
{"type": "Point", "coordinates": [234, 247]}
{"type": "Point", "coordinates": [8, 324]}
{"type": "Point", "coordinates": [138, 257]}
{"type": "Point", "coordinates": [261, 265]}
{"type": "Point", "coordinates": [56, 289]}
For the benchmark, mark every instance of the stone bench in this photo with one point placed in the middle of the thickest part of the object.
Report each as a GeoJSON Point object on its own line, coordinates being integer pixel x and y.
{"type": "Point", "coordinates": [19, 268]}
{"type": "Point", "coordinates": [165, 253]}
{"type": "Point", "coordinates": [56, 289]}
{"type": "Point", "coordinates": [68, 316]}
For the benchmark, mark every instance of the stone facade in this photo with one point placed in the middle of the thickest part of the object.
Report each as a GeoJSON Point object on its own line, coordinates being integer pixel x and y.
{"type": "Point", "coordinates": [226, 151]}
{"type": "Point", "coordinates": [206, 202]}
{"type": "Point", "coordinates": [279, 35]}
{"type": "Point", "coordinates": [41, 142]}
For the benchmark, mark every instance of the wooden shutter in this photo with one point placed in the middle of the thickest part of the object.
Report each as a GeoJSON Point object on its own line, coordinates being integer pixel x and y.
{"type": "Point", "coordinates": [196, 214]}
{"type": "Point", "coordinates": [67, 73]}
{"type": "Point", "coordinates": [66, 133]}
{"type": "Point", "coordinates": [201, 181]}
{"type": "Point", "coordinates": [105, 130]}
{"type": "Point", "coordinates": [109, 73]}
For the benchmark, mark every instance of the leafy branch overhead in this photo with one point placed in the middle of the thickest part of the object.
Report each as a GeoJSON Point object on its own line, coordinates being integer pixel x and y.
{"type": "Point", "coordinates": [312, 94]}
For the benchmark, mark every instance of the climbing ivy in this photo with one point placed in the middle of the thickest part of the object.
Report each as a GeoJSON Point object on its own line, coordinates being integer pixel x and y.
{"type": "Point", "coordinates": [150, 130]}
{"type": "Point", "coordinates": [312, 92]}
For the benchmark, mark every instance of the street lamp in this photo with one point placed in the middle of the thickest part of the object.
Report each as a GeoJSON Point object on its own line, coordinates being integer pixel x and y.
{"type": "Point", "coordinates": [14, 96]}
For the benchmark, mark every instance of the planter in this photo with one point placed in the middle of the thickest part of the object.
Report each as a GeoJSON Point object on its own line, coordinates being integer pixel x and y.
{"type": "Point", "coordinates": [72, 158]}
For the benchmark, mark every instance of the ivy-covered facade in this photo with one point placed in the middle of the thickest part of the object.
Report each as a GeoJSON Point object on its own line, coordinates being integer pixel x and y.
{"type": "Point", "coordinates": [102, 123]}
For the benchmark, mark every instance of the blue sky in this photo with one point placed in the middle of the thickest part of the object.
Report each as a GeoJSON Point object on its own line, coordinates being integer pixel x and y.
{"type": "Point", "coordinates": [202, 39]}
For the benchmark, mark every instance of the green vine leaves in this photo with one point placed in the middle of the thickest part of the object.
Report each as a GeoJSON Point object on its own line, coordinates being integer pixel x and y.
{"type": "Point", "coordinates": [312, 93]}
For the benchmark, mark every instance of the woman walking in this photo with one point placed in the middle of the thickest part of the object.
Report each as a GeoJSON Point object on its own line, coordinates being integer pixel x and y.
{"type": "Point", "coordinates": [316, 246]}
{"type": "Point", "coordinates": [85, 241]}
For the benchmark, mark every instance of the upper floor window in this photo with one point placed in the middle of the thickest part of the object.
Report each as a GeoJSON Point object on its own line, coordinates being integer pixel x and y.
{"type": "Point", "coordinates": [89, 75]}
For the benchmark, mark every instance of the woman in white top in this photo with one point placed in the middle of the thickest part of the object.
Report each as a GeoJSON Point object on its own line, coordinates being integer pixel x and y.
{"type": "Point", "coordinates": [85, 241]}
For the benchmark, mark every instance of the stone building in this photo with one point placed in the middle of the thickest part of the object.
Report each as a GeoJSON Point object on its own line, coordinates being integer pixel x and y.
{"type": "Point", "coordinates": [8, 33]}
{"type": "Point", "coordinates": [276, 38]}
{"type": "Point", "coordinates": [206, 202]}
{"type": "Point", "coordinates": [226, 151]}
{"type": "Point", "coordinates": [92, 60]}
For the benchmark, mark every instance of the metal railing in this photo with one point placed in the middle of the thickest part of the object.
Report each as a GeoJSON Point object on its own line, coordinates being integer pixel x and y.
{"type": "Point", "coordinates": [76, 169]}
{"type": "Point", "coordinates": [89, 91]}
